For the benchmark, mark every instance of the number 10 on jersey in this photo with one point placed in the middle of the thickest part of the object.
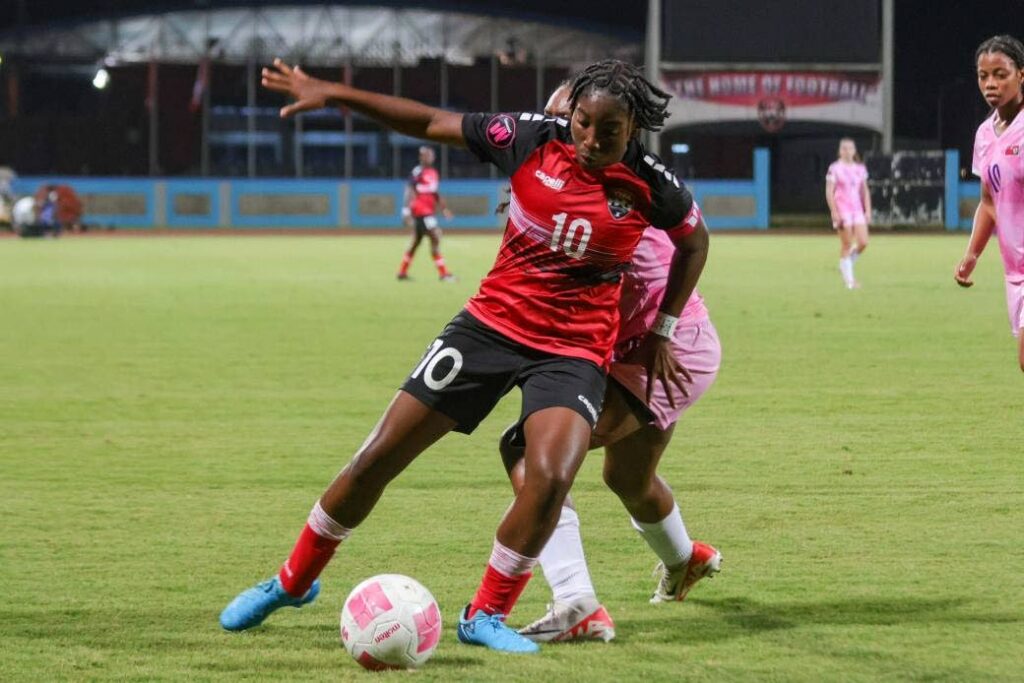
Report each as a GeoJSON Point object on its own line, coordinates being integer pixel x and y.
{"type": "Point", "coordinates": [564, 242]}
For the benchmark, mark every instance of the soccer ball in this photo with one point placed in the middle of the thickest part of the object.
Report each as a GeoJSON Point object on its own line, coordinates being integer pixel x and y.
{"type": "Point", "coordinates": [390, 621]}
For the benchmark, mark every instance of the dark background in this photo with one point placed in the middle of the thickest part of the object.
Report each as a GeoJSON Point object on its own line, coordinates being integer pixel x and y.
{"type": "Point", "coordinates": [936, 100]}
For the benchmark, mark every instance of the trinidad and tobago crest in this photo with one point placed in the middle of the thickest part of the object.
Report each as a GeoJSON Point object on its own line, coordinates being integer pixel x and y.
{"type": "Point", "coordinates": [620, 202]}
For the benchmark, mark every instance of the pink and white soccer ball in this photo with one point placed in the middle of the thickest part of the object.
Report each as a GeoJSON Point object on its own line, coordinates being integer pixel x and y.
{"type": "Point", "coordinates": [390, 621]}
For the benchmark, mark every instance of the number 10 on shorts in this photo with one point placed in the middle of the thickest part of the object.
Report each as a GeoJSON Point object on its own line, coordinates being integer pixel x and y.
{"type": "Point", "coordinates": [428, 366]}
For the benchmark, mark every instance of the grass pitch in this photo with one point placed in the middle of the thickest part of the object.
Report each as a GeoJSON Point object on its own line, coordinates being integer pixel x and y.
{"type": "Point", "coordinates": [171, 407]}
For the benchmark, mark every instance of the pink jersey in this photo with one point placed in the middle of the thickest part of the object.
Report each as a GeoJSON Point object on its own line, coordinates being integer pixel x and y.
{"type": "Point", "coordinates": [644, 285]}
{"type": "Point", "coordinates": [848, 179]}
{"type": "Point", "coordinates": [999, 162]}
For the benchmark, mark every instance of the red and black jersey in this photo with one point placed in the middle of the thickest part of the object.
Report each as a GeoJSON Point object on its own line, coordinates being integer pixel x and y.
{"type": "Point", "coordinates": [570, 233]}
{"type": "Point", "coordinates": [424, 183]}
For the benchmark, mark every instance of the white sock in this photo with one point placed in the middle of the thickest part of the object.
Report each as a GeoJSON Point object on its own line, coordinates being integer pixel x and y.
{"type": "Point", "coordinates": [854, 255]}
{"type": "Point", "coordinates": [846, 268]}
{"type": "Point", "coordinates": [563, 562]}
{"type": "Point", "coordinates": [509, 562]}
{"type": "Point", "coordinates": [667, 538]}
{"type": "Point", "coordinates": [325, 526]}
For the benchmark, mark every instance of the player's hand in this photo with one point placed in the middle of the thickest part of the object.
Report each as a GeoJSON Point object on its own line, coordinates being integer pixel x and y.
{"type": "Point", "coordinates": [309, 93]}
{"type": "Point", "coordinates": [655, 354]}
{"type": "Point", "coordinates": [963, 271]}
{"type": "Point", "coordinates": [836, 220]}
{"type": "Point", "coordinates": [448, 214]}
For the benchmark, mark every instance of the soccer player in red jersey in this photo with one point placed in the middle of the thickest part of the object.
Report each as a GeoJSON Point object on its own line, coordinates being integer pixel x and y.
{"type": "Point", "coordinates": [544, 319]}
{"type": "Point", "coordinates": [422, 202]}
{"type": "Point", "coordinates": [635, 427]}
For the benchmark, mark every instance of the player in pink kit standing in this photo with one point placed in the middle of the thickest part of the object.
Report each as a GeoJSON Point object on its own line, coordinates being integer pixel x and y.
{"type": "Point", "coordinates": [635, 427]}
{"type": "Point", "coordinates": [999, 162]}
{"type": "Point", "coordinates": [422, 203]}
{"type": "Point", "coordinates": [849, 202]}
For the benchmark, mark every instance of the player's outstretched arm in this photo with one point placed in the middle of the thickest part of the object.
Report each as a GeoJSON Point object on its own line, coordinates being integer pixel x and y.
{"type": "Point", "coordinates": [981, 231]}
{"type": "Point", "coordinates": [398, 113]}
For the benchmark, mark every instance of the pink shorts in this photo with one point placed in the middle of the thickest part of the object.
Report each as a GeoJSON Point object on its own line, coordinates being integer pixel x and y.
{"type": "Point", "coordinates": [1015, 306]}
{"type": "Point", "coordinates": [698, 349]}
{"type": "Point", "coordinates": [848, 219]}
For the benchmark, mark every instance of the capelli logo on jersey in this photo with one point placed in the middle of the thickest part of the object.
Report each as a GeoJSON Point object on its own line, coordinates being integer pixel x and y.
{"type": "Point", "coordinates": [555, 184]}
{"type": "Point", "coordinates": [1013, 151]}
{"type": "Point", "coordinates": [620, 203]}
{"type": "Point", "coordinates": [501, 130]}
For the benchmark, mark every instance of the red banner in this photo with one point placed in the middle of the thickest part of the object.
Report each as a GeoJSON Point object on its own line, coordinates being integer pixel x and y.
{"type": "Point", "coordinates": [774, 97]}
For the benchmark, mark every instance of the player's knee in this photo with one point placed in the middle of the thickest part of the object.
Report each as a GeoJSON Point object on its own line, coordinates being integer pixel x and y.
{"type": "Point", "coordinates": [862, 245]}
{"type": "Point", "coordinates": [624, 483]}
{"type": "Point", "coordinates": [551, 483]}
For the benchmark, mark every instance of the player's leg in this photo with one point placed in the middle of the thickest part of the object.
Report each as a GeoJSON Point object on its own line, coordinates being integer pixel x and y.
{"type": "Point", "coordinates": [575, 612]}
{"type": "Point", "coordinates": [435, 250]}
{"type": "Point", "coordinates": [456, 383]}
{"type": "Point", "coordinates": [845, 232]}
{"type": "Point", "coordinates": [410, 252]}
{"type": "Point", "coordinates": [631, 472]}
{"type": "Point", "coordinates": [1020, 349]}
{"type": "Point", "coordinates": [631, 462]}
{"type": "Point", "coordinates": [407, 428]}
{"type": "Point", "coordinates": [861, 237]}
{"type": "Point", "coordinates": [561, 401]}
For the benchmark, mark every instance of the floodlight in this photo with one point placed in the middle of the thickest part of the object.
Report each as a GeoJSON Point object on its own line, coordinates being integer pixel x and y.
{"type": "Point", "coordinates": [101, 79]}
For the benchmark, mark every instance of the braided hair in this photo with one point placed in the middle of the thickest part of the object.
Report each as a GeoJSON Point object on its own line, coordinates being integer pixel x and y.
{"type": "Point", "coordinates": [1004, 44]}
{"type": "Point", "coordinates": [644, 101]}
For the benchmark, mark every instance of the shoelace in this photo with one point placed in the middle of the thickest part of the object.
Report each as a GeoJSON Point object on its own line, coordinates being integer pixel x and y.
{"type": "Point", "coordinates": [495, 621]}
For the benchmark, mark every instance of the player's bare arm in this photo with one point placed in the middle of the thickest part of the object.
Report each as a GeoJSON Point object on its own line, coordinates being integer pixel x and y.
{"type": "Point", "coordinates": [398, 113]}
{"type": "Point", "coordinates": [830, 198]}
{"type": "Point", "coordinates": [984, 224]}
{"type": "Point", "coordinates": [865, 198]}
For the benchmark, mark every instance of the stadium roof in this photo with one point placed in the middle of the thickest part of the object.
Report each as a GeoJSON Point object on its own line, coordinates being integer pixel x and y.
{"type": "Point", "coordinates": [319, 33]}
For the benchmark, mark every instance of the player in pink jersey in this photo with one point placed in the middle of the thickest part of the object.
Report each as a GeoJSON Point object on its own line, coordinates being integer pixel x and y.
{"type": "Point", "coordinates": [422, 201]}
{"type": "Point", "coordinates": [635, 427]}
{"type": "Point", "coordinates": [583, 192]}
{"type": "Point", "coordinates": [849, 202]}
{"type": "Point", "coordinates": [999, 162]}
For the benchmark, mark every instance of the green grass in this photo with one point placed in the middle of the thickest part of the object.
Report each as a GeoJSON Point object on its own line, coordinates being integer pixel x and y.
{"type": "Point", "coordinates": [171, 407]}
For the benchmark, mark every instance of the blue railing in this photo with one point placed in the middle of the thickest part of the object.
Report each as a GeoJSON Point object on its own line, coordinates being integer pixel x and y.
{"type": "Point", "coordinates": [287, 203]}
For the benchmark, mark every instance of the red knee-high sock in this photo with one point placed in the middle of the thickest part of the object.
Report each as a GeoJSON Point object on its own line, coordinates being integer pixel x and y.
{"type": "Point", "coordinates": [310, 555]}
{"type": "Point", "coordinates": [403, 269]}
{"type": "Point", "coordinates": [498, 593]}
{"type": "Point", "coordinates": [312, 551]}
{"type": "Point", "coordinates": [504, 580]}
{"type": "Point", "coordinates": [442, 269]}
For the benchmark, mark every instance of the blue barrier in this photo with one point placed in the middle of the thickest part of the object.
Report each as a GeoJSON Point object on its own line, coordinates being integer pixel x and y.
{"type": "Point", "coordinates": [205, 203]}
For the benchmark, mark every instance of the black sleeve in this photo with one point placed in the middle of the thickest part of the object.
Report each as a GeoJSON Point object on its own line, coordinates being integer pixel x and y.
{"type": "Point", "coordinates": [506, 140]}
{"type": "Point", "coordinates": [671, 201]}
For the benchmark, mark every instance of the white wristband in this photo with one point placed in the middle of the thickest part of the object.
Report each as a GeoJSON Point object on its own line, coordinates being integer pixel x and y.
{"type": "Point", "coordinates": [406, 212]}
{"type": "Point", "coordinates": [665, 325]}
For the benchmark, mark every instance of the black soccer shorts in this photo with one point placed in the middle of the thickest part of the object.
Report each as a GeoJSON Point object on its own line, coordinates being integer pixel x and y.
{"type": "Point", "coordinates": [470, 367]}
{"type": "Point", "coordinates": [425, 224]}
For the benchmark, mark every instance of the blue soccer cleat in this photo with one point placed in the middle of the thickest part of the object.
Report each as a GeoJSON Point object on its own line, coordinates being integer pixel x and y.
{"type": "Point", "coordinates": [254, 605]}
{"type": "Point", "coordinates": [490, 631]}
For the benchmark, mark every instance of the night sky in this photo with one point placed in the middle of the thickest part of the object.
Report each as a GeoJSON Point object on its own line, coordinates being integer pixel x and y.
{"type": "Point", "coordinates": [935, 40]}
